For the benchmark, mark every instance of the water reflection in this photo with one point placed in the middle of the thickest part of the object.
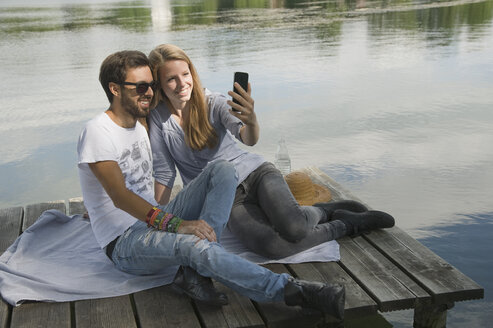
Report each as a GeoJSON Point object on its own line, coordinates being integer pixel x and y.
{"type": "Point", "coordinates": [162, 17]}
{"type": "Point", "coordinates": [422, 16]}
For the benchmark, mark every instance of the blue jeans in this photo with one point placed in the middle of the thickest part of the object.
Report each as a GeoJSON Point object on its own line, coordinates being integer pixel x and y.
{"type": "Point", "coordinates": [268, 220]}
{"type": "Point", "coordinates": [142, 250]}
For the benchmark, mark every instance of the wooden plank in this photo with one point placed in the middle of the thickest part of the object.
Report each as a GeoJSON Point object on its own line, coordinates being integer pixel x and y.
{"type": "Point", "coordinates": [240, 312]}
{"type": "Point", "coordinates": [161, 307]}
{"type": "Point", "coordinates": [76, 206]}
{"type": "Point", "coordinates": [427, 315]}
{"type": "Point", "coordinates": [105, 312]}
{"type": "Point", "coordinates": [444, 282]}
{"type": "Point", "coordinates": [41, 315]}
{"type": "Point", "coordinates": [10, 226]}
{"type": "Point", "coordinates": [379, 277]}
{"type": "Point", "coordinates": [33, 211]}
{"type": "Point", "coordinates": [4, 314]}
{"type": "Point", "coordinates": [358, 302]}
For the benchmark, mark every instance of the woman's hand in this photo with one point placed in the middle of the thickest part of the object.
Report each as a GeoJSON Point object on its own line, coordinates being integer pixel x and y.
{"type": "Point", "coordinates": [245, 112]}
{"type": "Point", "coordinates": [199, 228]}
{"type": "Point", "coordinates": [245, 109]}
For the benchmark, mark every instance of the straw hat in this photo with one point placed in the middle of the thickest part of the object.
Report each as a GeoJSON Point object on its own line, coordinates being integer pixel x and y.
{"type": "Point", "coordinates": [305, 191]}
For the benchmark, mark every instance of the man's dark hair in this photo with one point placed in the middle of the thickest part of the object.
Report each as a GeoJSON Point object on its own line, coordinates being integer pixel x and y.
{"type": "Point", "coordinates": [114, 68]}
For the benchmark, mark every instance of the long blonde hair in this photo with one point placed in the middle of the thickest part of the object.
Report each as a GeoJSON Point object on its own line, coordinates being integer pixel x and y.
{"type": "Point", "coordinates": [199, 133]}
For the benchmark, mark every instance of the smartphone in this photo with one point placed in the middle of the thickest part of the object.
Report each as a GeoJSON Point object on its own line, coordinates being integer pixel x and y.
{"type": "Point", "coordinates": [242, 79]}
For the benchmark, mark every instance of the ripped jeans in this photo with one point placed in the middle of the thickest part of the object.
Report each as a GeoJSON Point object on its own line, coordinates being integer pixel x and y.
{"type": "Point", "coordinates": [142, 250]}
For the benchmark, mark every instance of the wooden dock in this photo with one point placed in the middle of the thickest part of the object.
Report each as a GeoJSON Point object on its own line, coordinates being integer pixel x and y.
{"type": "Point", "coordinates": [383, 271]}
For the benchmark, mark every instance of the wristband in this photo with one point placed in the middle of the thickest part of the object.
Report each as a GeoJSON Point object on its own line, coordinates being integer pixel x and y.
{"type": "Point", "coordinates": [160, 220]}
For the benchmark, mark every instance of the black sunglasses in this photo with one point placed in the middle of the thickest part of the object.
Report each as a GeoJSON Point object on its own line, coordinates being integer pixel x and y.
{"type": "Point", "coordinates": [142, 87]}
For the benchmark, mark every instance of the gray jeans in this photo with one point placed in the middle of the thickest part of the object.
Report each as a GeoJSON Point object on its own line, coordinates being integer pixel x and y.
{"type": "Point", "coordinates": [268, 220]}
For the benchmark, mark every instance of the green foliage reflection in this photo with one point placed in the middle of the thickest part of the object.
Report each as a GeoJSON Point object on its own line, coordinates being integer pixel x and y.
{"type": "Point", "coordinates": [137, 16]}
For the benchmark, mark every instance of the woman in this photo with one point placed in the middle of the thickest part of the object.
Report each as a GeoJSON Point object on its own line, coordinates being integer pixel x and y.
{"type": "Point", "coordinates": [191, 127]}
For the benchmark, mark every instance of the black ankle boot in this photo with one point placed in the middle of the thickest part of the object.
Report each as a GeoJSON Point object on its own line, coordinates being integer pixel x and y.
{"type": "Point", "coordinates": [349, 205]}
{"type": "Point", "coordinates": [200, 288]}
{"type": "Point", "coordinates": [327, 298]}
{"type": "Point", "coordinates": [358, 223]}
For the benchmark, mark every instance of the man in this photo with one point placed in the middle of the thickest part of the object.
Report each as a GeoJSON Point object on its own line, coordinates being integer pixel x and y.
{"type": "Point", "coordinates": [115, 168]}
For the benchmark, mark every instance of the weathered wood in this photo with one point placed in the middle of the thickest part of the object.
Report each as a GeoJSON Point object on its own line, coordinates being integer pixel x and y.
{"type": "Point", "coordinates": [10, 226]}
{"type": "Point", "coordinates": [385, 270]}
{"type": "Point", "coordinates": [240, 312]}
{"type": "Point", "coordinates": [444, 282]}
{"type": "Point", "coordinates": [33, 211]}
{"type": "Point", "coordinates": [358, 303]}
{"type": "Point", "coordinates": [41, 315]}
{"type": "Point", "coordinates": [105, 312]}
{"type": "Point", "coordinates": [161, 307]}
{"type": "Point", "coordinates": [76, 206]}
{"type": "Point", "coordinates": [379, 277]}
{"type": "Point", "coordinates": [426, 315]}
{"type": "Point", "coordinates": [4, 314]}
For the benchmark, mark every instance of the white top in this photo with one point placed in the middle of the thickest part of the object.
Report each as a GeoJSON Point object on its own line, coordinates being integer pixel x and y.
{"type": "Point", "coordinates": [104, 140]}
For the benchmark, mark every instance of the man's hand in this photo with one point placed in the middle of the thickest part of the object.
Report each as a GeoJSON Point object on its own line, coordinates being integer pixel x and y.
{"type": "Point", "coordinates": [199, 228]}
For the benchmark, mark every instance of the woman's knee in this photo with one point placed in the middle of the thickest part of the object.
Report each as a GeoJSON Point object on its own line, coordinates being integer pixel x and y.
{"type": "Point", "coordinates": [224, 168]}
{"type": "Point", "coordinates": [222, 165]}
{"type": "Point", "coordinates": [293, 232]}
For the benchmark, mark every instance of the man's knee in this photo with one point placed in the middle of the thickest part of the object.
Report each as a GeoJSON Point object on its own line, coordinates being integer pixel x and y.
{"type": "Point", "coordinates": [204, 252]}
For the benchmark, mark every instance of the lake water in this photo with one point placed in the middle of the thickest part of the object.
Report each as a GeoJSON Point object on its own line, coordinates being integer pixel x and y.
{"type": "Point", "coordinates": [394, 100]}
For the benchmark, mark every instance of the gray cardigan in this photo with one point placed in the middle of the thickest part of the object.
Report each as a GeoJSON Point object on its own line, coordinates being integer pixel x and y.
{"type": "Point", "coordinates": [170, 151]}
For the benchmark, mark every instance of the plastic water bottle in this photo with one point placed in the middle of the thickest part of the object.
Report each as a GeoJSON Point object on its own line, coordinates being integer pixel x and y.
{"type": "Point", "coordinates": [283, 162]}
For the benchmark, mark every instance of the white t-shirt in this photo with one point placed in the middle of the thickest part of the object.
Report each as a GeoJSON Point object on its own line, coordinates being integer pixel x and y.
{"type": "Point", "coordinates": [104, 140]}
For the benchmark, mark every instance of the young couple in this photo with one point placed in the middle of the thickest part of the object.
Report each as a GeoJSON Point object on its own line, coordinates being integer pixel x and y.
{"type": "Point", "coordinates": [193, 130]}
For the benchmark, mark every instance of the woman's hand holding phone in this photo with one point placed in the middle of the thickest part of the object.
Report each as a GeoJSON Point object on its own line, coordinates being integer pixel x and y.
{"type": "Point", "coordinates": [242, 105]}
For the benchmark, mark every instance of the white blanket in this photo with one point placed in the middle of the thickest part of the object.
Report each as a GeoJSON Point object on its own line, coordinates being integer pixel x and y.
{"type": "Point", "coordinates": [57, 259]}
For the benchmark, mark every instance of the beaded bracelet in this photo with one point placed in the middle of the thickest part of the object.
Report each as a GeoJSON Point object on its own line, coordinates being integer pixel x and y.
{"type": "Point", "coordinates": [173, 224]}
{"type": "Point", "coordinates": [163, 221]}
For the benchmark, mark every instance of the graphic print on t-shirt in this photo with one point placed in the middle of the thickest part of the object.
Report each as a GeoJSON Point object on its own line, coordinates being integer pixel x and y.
{"type": "Point", "coordinates": [135, 167]}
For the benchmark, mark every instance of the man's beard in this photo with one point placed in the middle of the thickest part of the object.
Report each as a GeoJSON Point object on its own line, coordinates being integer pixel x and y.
{"type": "Point", "coordinates": [131, 107]}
